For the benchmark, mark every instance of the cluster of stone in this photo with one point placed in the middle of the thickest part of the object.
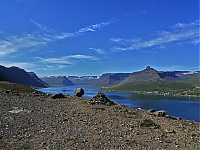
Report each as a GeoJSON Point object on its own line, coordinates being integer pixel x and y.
{"type": "Point", "coordinates": [9, 92]}
{"type": "Point", "coordinates": [162, 113]}
{"type": "Point", "coordinates": [59, 95]}
{"type": "Point", "coordinates": [100, 98]}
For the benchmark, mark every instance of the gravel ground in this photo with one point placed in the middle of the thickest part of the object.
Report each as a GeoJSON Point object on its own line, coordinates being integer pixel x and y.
{"type": "Point", "coordinates": [36, 121]}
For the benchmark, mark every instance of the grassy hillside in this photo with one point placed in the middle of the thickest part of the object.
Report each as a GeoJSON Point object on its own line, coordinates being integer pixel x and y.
{"type": "Point", "coordinates": [15, 87]}
{"type": "Point", "coordinates": [161, 86]}
{"type": "Point", "coordinates": [193, 81]}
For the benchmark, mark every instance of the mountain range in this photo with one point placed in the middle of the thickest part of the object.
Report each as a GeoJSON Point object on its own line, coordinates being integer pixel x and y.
{"type": "Point", "coordinates": [57, 80]}
{"type": "Point", "coordinates": [148, 79]}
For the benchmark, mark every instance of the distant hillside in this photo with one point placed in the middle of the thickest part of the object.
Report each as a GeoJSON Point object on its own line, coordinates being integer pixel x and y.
{"type": "Point", "coordinates": [17, 75]}
{"type": "Point", "coordinates": [152, 81]}
{"type": "Point", "coordinates": [110, 79]}
{"type": "Point", "coordinates": [83, 80]}
{"type": "Point", "coordinates": [57, 80]}
{"type": "Point", "coordinates": [148, 74]}
{"type": "Point", "coordinates": [178, 75]}
{"type": "Point", "coordinates": [107, 79]}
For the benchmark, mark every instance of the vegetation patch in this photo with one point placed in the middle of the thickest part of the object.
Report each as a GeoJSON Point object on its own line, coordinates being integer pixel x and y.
{"type": "Point", "coordinates": [147, 123]}
{"type": "Point", "coordinates": [160, 87]}
{"type": "Point", "coordinates": [15, 87]}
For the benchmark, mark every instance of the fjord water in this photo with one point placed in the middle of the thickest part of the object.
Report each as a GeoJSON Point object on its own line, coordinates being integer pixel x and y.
{"type": "Point", "coordinates": [183, 107]}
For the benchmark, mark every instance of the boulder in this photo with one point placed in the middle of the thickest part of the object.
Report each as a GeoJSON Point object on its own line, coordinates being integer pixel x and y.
{"type": "Point", "coordinates": [161, 113]}
{"type": "Point", "coordinates": [100, 98]}
{"type": "Point", "coordinates": [78, 92]}
{"type": "Point", "coordinates": [151, 110]}
{"type": "Point", "coordinates": [59, 95]}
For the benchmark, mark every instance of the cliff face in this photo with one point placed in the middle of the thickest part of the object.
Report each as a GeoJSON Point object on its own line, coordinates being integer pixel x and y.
{"type": "Point", "coordinates": [17, 75]}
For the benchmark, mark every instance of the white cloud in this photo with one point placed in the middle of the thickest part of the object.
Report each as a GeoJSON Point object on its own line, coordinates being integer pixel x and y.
{"type": "Point", "coordinates": [78, 56]}
{"type": "Point", "coordinates": [6, 48]}
{"type": "Point", "coordinates": [13, 43]}
{"type": "Point", "coordinates": [23, 65]}
{"type": "Point", "coordinates": [175, 68]}
{"type": "Point", "coordinates": [181, 33]}
{"type": "Point", "coordinates": [37, 24]}
{"type": "Point", "coordinates": [116, 40]}
{"type": "Point", "coordinates": [92, 28]}
{"type": "Point", "coordinates": [99, 51]}
{"type": "Point", "coordinates": [67, 60]}
{"type": "Point", "coordinates": [60, 60]}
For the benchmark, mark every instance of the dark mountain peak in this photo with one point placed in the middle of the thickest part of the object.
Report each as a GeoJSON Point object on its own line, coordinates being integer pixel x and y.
{"type": "Point", "coordinates": [149, 69]}
{"type": "Point", "coordinates": [144, 75]}
{"type": "Point", "coordinates": [18, 75]}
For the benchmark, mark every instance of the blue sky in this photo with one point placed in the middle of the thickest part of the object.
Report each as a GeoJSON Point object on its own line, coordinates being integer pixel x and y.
{"type": "Point", "coordinates": [91, 37]}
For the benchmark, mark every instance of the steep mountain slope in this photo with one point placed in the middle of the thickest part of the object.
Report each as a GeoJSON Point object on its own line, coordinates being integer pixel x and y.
{"type": "Point", "coordinates": [57, 80]}
{"type": "Point", "coordinates": [148, 74]}
{"type": "Point", "coordinates": [17, 75]}
{"type": "Point", "coordinates": [110, 79]}
{"type": "Point", "coordinates": [151, 81]}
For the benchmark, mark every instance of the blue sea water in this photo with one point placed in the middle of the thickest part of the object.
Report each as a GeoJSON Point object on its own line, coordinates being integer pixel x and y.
{"type": "Point", "coordinates": [183, 107]}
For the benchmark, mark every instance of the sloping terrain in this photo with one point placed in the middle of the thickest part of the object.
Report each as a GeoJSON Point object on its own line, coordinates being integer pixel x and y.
{"type": "Point", "coordinates": [17, 75]}
{"type": "Point", "coordinates": [15, 87]}
{"type": "Point", "coordinates": [152, 81]}
{"type": "Point", "coordinates": [40, 122]}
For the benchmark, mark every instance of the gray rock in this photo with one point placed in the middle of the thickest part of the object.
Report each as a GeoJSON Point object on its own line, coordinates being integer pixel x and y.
{"type": "Point", "coordinates": [161, 113]}
{"type": "Point", "coordinates": [151, 110]}
{"type": "Point", "coordinates": [79, 92]}
{"type": "Point", "coordinates": [59, 95]}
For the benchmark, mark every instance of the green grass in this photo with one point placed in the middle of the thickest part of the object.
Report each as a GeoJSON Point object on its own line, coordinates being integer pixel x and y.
{"type": "Point", "coordinates": [161, 85]}
{"type": "Point", "coordinates": [15, 87]}
{"type": "Point", "coordinates": [147, 123]}
{"type": "Point", "coordinates": [186, 87]}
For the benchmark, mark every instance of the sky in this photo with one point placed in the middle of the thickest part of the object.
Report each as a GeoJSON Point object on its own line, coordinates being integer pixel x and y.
{"type": "Point", "coordinates": [92, 37]}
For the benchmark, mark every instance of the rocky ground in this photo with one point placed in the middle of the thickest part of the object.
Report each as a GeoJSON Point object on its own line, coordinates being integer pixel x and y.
{"type": "Point", "coordinates": [36, 121]}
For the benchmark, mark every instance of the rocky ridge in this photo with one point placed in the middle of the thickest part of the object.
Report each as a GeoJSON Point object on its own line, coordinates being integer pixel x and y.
{"type": "Point", "coordinates": [36, 121]}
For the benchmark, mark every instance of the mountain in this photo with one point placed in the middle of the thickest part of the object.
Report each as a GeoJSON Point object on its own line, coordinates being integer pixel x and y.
{"type": "Point", "coordinates": [150, 80]}
{"type": "Point", "coordinates": [18, 75]}
{"type": "Point", "coordinates": [84, 80]}
{"type": "Point", "coordinates": [148, 74]}
{"type": "Point", "coordinates": [109, 79]}
{"type": "Point", "coordinates": [178, 75]}
{"type": "Point", "coordinates": [57, 80]}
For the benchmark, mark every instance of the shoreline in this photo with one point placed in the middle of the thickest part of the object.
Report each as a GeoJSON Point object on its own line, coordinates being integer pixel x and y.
{"type": "Point", "coordinates": [154, 93]}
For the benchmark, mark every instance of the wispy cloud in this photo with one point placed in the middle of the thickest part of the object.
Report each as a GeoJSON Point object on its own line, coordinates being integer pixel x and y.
{"type": "Point", "coordinates": [98, 50]}
{"type": "Point", "coordinates": [175, 68]}
{"type": "Point", "coordinates": [13, 43]}
{"type": "Point", "coordinates": [60, 60]}
{"type": "Point", "coordinates": [23, 65]}
{"type": "Point", "coordinates": [180, 33]}
{"type": "Point", "coordinates": [92, 28]}
{"type": "Point", "coordinates": [78, 56]}
{"type": "Point", "coordinates": [38, 25]}
{"type": "Point", "coordinates": [67, 60]}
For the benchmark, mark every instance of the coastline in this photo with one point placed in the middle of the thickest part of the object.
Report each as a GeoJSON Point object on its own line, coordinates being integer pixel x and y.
{"type": "Point", "coordinates": [155, 93]}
